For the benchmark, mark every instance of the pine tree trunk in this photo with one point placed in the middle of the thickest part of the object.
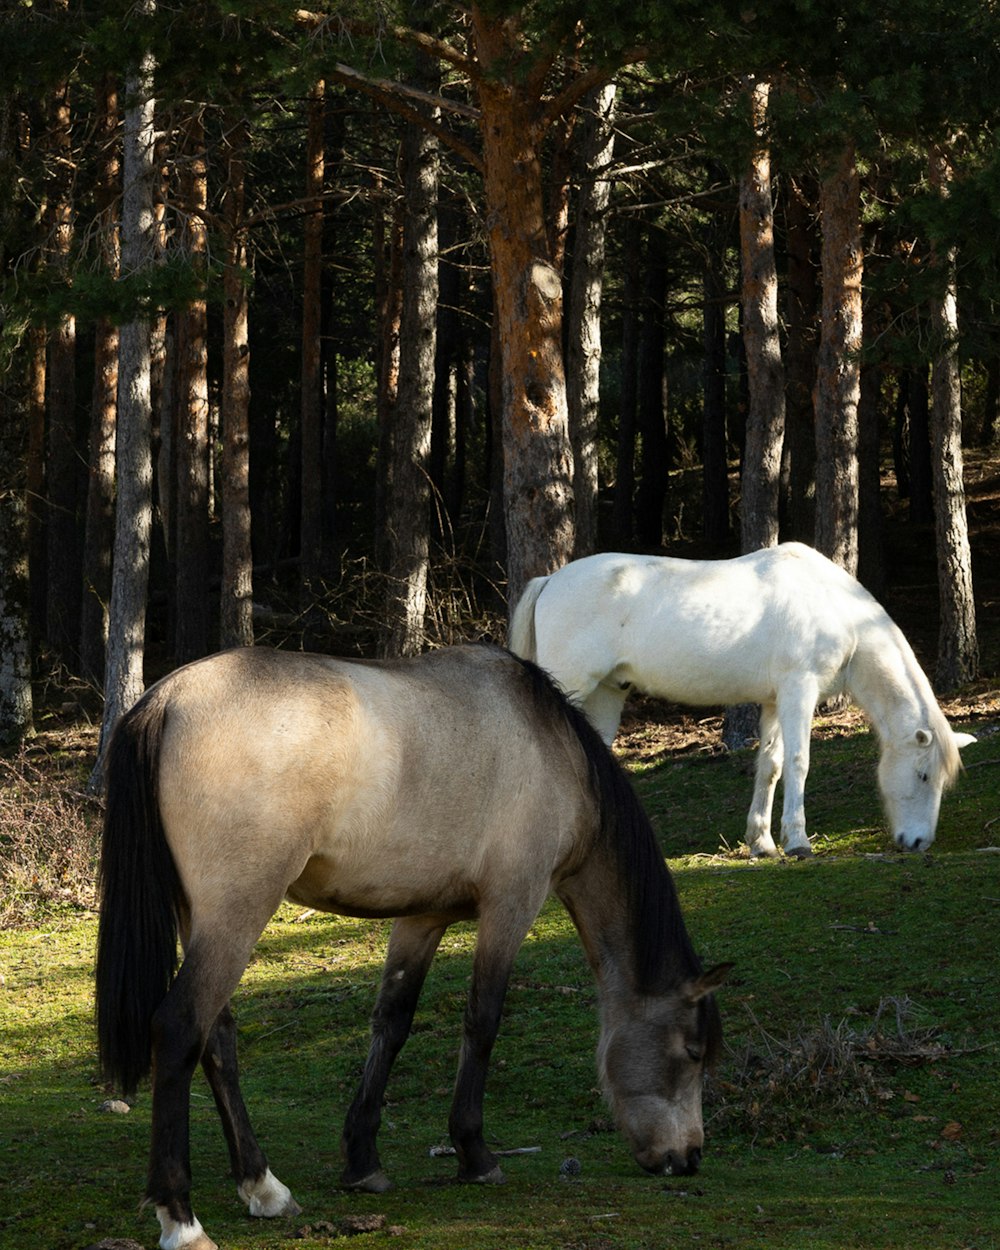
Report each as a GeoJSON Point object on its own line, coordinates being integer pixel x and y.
{"type": "Point", "coordinates": [35, 346]}
{"type": "Point", "coordinates": [583, 356]}
{"type": "Point", "coordinates": [123, 679]}
{"type": "Point", "coordinates": [388, 247]}
{"type": "Point", "coordinates": [538, 458]}
{"type": "Point", "coordinates": [408, 511]}
{"type": "Point", "coordinates": [99, 531]}
{"type": "Point", "coordinates": [761, 478]}
{"type": "Point", "coordinates": [800, 360]}
{"type": "Point", "coordinates": [62, 470]}
{"type": "Point", "coordinates": [15, 648]}
{"type": "Point", "coordinates": [651, 490]}
{"type": "Point", "coordinates": [311, 524]}
{"type": "Point", "coordinates": [192, 503]}
{"type": "Point", "coordinates": [715, 443]}
{"type": "Point", "coordinates": [236, 597]}
{"type": "Point", "coordinates": [838, 374]}
{"type": "Point", "coordinates": [958, 648]}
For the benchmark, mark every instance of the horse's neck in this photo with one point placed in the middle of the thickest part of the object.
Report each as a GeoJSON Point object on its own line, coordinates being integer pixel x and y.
{"type": "Point", "coordinates": [885, 679]}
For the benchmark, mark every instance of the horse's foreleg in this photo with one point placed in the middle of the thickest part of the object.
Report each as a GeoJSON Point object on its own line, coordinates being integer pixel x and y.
{"type": "Point", "coordinates": [769, 755]}
{"type": "Point", "coordinates": [494, 959]}
{"type": "Point", "coordinates": [411, 948]}
{"type": "Point", "coordinates": [603, 706]}
{"type": "Point", "coordinates": [796, 706]}
{"type": "Point", "coordinates": [259, 1188]}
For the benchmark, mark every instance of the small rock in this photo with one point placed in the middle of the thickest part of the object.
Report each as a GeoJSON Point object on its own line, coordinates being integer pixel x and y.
{"type": "Point", "coordinates": [116, 1106]}
{"type": "Point", "coordinates": [569, 1167]}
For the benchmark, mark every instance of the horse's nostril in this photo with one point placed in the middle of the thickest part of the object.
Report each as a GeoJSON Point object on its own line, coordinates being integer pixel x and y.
{"type": "Point", "coordinates": [680, 1165]}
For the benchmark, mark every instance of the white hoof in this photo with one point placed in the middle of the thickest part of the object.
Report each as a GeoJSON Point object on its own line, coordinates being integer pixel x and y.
{"type": "Point", "coordinates": [175, 1236]}
{"type": "Point", "coordinates": [268, 1198]}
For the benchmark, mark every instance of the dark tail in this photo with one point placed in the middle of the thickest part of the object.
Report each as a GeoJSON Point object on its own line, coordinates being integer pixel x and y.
{"type": "Point", "coordinates": [140, 896]}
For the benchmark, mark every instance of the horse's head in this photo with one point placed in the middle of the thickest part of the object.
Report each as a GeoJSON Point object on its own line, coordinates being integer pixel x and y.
{"type": "Point", "coordinates": [912, 774]}
{"type": "Point", "coordinates": [652, 1058]}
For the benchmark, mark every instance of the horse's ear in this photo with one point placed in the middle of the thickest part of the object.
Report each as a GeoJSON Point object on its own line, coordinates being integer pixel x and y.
{"type": "Point", "coordinates": [923, 737]}
{"type": "Point", "coordinates": [963, 739]}
{"type": "Point", "coordinates": [708, 982]}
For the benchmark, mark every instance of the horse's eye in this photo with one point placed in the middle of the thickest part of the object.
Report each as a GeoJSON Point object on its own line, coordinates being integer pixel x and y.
{"type": "Point", "coordinates": [694, 1054]}
{"type": "Point", "coordinates": [922, 776]}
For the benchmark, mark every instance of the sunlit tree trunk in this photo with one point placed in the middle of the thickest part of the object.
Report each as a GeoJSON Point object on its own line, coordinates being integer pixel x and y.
{"type": "Point", "coordinates": [583, 353]}
{"type": "Point", "coordinates": [123, 680]}
{"type": "Point", "coordinates": [838, 373]}
{"type": "Point", "coordinates": [958, 648]}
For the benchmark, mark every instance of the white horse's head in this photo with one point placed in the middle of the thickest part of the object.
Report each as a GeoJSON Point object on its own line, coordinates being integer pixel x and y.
{"type": "Point", "coordinates": [912, 774]}
{"type": "Point", "coordinates": [652, 1059]}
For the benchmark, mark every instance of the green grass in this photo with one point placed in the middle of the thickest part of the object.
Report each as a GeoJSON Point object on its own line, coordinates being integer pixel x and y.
{"type": "Point", "coordinates": [830, 1125]}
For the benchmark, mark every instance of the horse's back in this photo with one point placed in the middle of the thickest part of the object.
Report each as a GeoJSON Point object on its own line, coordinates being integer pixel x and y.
{"type": "Point", "coordinates": [699, 631]}
{"type": "Point", "coordinates": [368, 788]}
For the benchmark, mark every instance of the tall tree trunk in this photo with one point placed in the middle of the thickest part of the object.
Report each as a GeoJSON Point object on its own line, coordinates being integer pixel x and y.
{"type": "Point", "coordinates": [538, 458]}
{"type": "Point", "coordinates": [921, 474]}
{"type": "Point", "coordinates": [99, 531]}
{"type": "Point", "coordinates": [408, 512]}
{"type": "Point", "coordinates": [958, 647]}
{"type": "Point", "coordinates": [388, 248]}
{"type": "Point", "coordinates": [311, 525]}
{"type": "Point", "coordinates": [37, 353]}
{"type": "Point", "coordinates": [62, 473]}
{"type": "Point", "coordinates": [192, 504]}
{"type": "Point", "coordinates": [715, 440]}
{"type": "Point", "coordinates": [236, 597]}
{"type": "Point", "coordinates": [838, 374]}
{"type": "Point", "coordinates": [761, 478]}
{"type": "Point", "coordinates": [123, 679]}
{"type": "Point", "coordinates": [800, 360]}
{"type": "Point", "coordinates": [583, 355]}
{"type": "Point", "coordinates": [15, 643]}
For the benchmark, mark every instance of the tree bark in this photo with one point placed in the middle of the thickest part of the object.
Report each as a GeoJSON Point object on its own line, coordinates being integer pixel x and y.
{"type": "Point", "coordinates": [538, 458]}
{"type": "Point", "coordinates": [99, 531]}
{"type": "Point", "coordinates": [838, 374]}
{"type": "Point", "coordinates": [408, 505]}
{"type": "Point", "coordinates": [651, 491]}
{"type": "Point", "coordinates": [583, 356]}
{"type": "Point", "coordinates": [800, 360]}
{"type": "Point", "coordinates": [388, 248]}
{"type": "Point", "coordinates": [123, 680]}
{"type": "Point", "coordinates": [15, 643]}
{"type": "Point", "coordinates": [62, 471]}
{"type": "Point", "coordinates": [625, 457]}
{"type": "Point", "coordinates": [193, 448]}
{"type": "Point", "coordinates": [761, 477]}
{"type": "Point", "coordinates": [311, 524]}
{"type": "Point", "coordinates": [236, 597]}
{"type": "Point", "coordinates": [714, 440]}
{"type": "Point", "coordinates": [958, 647]}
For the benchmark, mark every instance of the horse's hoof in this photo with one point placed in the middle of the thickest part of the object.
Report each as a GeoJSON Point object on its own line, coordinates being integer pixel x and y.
{"type": "Point", "coordinates": [267, 1198]}
{"type": "Point", "coordinates": [763, 852]}
{"type": "Point", "coordinates": [799, 852]}
{"type": "Point", "coordinates": [494, 1176]}
{"type": "Point", "coordinates": [374, 1183]}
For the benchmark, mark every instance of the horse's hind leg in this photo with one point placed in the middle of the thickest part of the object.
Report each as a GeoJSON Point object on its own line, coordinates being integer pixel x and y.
{"type": "Point", "coordinates": [411, 948]}
{"type": "Point", "coordinates": [769, 760]}
{"type": "Point", "coordinates": [263, 1193]}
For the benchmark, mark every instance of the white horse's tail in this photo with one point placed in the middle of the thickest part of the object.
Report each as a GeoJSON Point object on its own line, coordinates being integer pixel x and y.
{"type": "Point", "coordinates": [521, 635]}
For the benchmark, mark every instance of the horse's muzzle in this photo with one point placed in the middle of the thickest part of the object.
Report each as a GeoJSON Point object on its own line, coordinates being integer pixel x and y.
{"type": "Point", "coordinates": [676, 1163]}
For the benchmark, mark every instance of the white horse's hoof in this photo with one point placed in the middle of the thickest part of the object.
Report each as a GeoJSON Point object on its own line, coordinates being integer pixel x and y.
{"type": "Point", "coordinates": [175, 1236]}
{"type": "Point", "coordinates": [267, 1198]}
{"type": "Point", "coordinates": [764, 852]}
{"type": "Point", "coordinates": [802, 851]}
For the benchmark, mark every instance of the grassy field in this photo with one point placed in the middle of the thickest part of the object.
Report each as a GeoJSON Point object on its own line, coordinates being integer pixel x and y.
{"type": "Point", "coordinates": [856, 1106]}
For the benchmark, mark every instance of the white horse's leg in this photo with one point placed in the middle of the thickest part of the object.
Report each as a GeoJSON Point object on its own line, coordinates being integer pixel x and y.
{"type": "Point", "coordinates": [796, 705]}
{"type": "Point", "coordinates": [604, 707]}
{"type": "Point", "coordinates": [769, 755]}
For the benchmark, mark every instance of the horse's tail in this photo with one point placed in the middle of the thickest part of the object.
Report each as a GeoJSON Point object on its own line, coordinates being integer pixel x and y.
{"type": "Point", "coordinates": [140, 898]}
{"type": "Point", "coordinates": [522, 639]}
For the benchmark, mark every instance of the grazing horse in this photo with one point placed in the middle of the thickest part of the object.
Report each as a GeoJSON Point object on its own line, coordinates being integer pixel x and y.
{"type": "Point", "coordinates": [783, 627]}
{"type": "Point", "coordinates": [457, 785]}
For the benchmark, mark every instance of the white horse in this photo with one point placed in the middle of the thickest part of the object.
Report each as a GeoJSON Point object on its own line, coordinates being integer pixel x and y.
{"type": "Point", "coordinates": [783, 627]}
